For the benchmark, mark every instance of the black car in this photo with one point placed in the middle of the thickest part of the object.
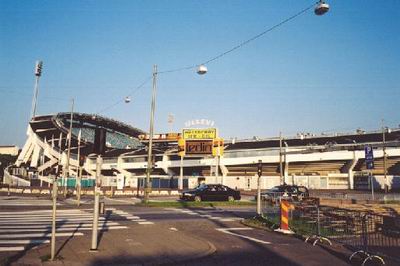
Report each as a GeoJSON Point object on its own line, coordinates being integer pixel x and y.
{"type": "Point", "coordinates": [211, 192]}
{"type": "Point", "coordinates": [296, 193]}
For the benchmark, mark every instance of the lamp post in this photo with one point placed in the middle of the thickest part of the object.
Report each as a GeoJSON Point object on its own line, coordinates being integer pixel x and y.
{"type": "Point", "coordinates": [280, 159]}
{"type": "Point", "coordinates": [201, 70]}
{"type": "Point", "coordinates": [66, 172]}
{"type": "Point", "coordinates": [384, 130]}
{"type": "Point", "coordinates": [150, 148]}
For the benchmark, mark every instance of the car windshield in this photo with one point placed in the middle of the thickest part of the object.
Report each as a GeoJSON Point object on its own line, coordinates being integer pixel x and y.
{"type": "Point", "coordinates": [201, 187]}
{"type": "Point", "coordinates": [276, 189]}
{"type": "Point", "coordinates": [302, 189]}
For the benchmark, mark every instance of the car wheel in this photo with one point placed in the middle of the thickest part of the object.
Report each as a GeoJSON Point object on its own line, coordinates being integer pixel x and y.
{"type": "Point", "coordinates": [197, 199]}
{"type": "Point", "coordinates": [231, 198]}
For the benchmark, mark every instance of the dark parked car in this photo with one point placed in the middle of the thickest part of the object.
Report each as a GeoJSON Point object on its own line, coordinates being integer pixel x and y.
{"type": "Point", "coordinates": [296, 193]}
{"type": "Point", "coordinates": [211, 192]}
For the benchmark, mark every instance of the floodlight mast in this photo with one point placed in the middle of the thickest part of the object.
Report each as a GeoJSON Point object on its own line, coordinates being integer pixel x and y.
{"type": "Point", "coordinates": [38, 74]}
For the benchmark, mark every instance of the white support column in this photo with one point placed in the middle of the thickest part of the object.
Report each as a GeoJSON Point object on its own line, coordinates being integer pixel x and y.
{"type": "Point", "coordinates": [224, 171]}
{"type": "Point", "coordinates": [180, 180]}
{"type": "Point", "coordinates": [286, 177]}
{"type": "Point", "coordinates": [350, 171]}
{"type": "Point", "coordinates": [37, 150]}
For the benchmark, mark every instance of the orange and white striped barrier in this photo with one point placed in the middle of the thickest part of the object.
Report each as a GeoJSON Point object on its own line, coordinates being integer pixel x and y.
{"type": "Point", "coordinates": [284, 228]}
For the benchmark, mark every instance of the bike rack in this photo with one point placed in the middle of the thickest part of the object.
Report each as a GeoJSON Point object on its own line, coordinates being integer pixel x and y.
{"type": "Point", "coordinates": [318, 237]}
{"type": "Point", "coordinates": [368, 256]}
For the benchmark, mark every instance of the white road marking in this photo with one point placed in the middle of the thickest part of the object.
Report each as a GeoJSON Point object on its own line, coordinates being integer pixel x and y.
{"type": "Point", "coordinates": [132, 217]}
{"type": "Point", "coordinates": [47, 211]}
{"type": "Point", "coordinates": [8, 249]}
{"type": "Point", "coordinates": [208, 216]}
{"type": "Point", "coordinates": [76, 228]}
{"type": "Point", "coordinates": [61, 219]}
{"type": "Point", "coordinates": [145, 223]}
{"type": "Point", "coordinates": [43, 235]}
{"type": "Point", "coordinates": [228, 231]}
{"type": "Point", "coordinates": [46, 217]}
{"type": "Point", "coordinates": [48, 225]}
{"type": "Point", "coordinates": [25, 241]}
{"type": "Point", "coordinates": [171, 209]}
{"type": "Point", "coordinates": [20, 230]}
{"type": "Point", "coordinates": [138, 220]}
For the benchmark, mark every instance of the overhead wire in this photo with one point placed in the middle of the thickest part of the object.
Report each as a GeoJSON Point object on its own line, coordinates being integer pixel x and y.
{"type": "Point", "coordinates": [240, 45]}
{"type": "Point", "coordinates": [135, 90]}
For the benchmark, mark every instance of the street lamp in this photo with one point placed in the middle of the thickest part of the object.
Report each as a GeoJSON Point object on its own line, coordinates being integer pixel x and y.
{"type": "Point", "coordinates": [321, 8]}
{"type": "Point", "coordinates": [201, 70]}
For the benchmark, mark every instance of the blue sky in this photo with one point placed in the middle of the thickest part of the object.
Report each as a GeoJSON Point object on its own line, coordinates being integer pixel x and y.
{"type": "Point", "coordinates": [334, 73]}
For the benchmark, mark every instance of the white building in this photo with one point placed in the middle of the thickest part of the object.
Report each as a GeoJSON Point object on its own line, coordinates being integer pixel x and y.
{"type": "Point", "coordinates": [318, 162]}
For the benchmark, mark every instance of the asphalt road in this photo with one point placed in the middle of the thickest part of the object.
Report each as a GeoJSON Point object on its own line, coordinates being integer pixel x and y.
{"type": "Point", "coordinates": [141, 235]}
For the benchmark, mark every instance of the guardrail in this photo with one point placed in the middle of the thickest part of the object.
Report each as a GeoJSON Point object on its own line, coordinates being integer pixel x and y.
{"type": "Point", "coordinates": [370, 236]}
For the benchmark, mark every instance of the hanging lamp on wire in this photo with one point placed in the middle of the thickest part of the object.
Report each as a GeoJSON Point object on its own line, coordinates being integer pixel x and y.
{"type": "Point", "coordinates": [321, 8]}
{"type": "Point", "coordinates": [202, 69]}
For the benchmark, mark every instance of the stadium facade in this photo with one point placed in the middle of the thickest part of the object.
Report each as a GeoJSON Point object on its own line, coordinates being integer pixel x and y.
{"type": "Point", "coordinates": [318, 162]}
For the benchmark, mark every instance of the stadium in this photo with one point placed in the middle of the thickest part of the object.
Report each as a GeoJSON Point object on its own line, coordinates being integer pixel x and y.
{"type": "Point", "coordinates": [318, 162]}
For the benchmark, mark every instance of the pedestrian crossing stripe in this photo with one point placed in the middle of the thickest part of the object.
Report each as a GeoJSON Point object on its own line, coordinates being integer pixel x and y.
{"type": "Point", "coordinates": [208, 216]}
{"type": "Point", "coordinates": [20, 230]}
{"type": "Point", "coordinates": [37, 235]}
{"type": "Point", "coordinates": [8, 249]}
{"type": "Point", "coordinates": [60, 229]}
{"type": "Point", "coordinates": [46, 226]}
{"type": "Point", "coordinates": [24, 241]}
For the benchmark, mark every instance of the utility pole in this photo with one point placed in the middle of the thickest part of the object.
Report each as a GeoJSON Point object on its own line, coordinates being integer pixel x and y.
{"type": "Point", "coordinates": [180, 181]}
{"type": "Point", "coordinates": [259, 173]}
{"type": "Point", "coordinates": [66, 172]}
{"type": "Point", "coordinates": [53, 221]}
{"type": "Point", "coordinates": [79, 177]}
{"type": "Point", "coordinates": [280, 159]}
{"type": "Point", "coordinates": [150, 149]}
{"type": "Point", "coordinates": [38, 73]}
{"type": "Point", "coordinates": [99, 162]}
{"type": "Point", "coordinates": [386, 186]}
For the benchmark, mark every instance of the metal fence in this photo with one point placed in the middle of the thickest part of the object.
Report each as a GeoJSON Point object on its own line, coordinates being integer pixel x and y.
{"type": "Point", "coordinates": [356, 196]}
{"type": "Point", "coordinates": [370, 236]}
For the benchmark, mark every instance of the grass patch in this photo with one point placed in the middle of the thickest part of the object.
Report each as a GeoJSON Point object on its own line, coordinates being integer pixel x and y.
{"type": "Point", "coordinates": [188, 204]}
{"type": "Point", "coordinates": [45, 257]}
{"type": "Point", "coordinates": [260, 222]}
{"type": "Point", "coordinates": [390, 202]}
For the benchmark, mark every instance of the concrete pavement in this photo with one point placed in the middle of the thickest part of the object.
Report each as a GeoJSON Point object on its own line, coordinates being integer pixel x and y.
{"type": "Point", "coordinates": [145, 245]}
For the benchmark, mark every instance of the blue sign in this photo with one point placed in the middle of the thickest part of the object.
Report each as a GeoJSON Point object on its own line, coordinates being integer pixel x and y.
{"type": "Point", "coordinates": [369, 157]}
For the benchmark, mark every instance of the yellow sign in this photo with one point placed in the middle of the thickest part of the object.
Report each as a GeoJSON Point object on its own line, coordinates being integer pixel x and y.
{"type": "Point", "coordinates": [206, 133]}
{"type": "Point", "coordinates": [181, 147]}
{"type": "Point", "coordinates": [218, 147]}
